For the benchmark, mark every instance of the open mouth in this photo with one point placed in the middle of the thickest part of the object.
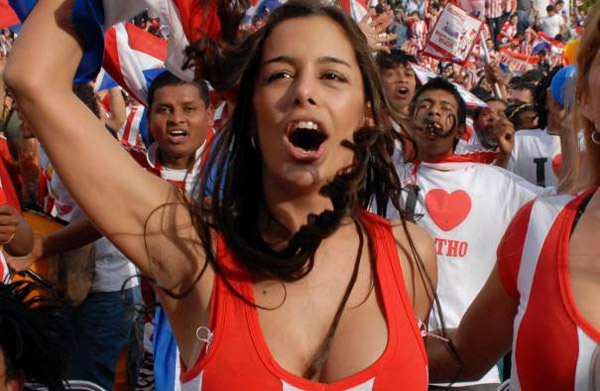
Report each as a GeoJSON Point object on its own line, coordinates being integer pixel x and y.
{"type": "Point", "coordinates": [306, 140]}
{"type": "Point", "coordinates": [402, 92]}
{"type": "Point", "coordinates": [176, 135]}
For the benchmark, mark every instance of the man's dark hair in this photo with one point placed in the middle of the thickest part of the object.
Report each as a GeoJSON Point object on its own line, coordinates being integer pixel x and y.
{"type": "Point", "coordinates": [85, 93]}
{"type": "Point", "coordinates": [444, 85]}
{"type": "Point", "coordinates": [523, 85]}
{"type": "Point", "coordinates": [167, 79]}
{"type": "Point", "coordinates": [550, 8]}
{"type": "Point", "coordinates": [533, 76]}
{"type": "Point", "coordinates": [481, 93]}
{"type": "Point", "coordinates": [541, 93]}
{"type": "Point", "coordinates": [394, 58]}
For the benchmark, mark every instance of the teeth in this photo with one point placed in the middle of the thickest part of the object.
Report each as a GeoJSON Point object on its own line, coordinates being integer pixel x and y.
{"type": "Point", "coordinates": [306, 125]}
{"type": "Point", "coordinates": [177, 133]}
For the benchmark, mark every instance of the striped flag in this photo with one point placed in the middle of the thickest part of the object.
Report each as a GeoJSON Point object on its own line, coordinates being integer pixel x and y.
{"type": "Point", "coordinates": [357, 9]}
{"type": "Point", "coordinates": [188, 20]}
{"type": "Point", "coordinates": [132, 58]}
{"type": "Point", "coordinates": [424, 75]}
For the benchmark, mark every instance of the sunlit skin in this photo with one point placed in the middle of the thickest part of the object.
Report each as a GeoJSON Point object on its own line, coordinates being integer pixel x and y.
{"type": "Point", "coordinates": [179, 108]}
{"type": "Point", "coordinates": [440, 107]}
{"type": "Point", "coordinates": [399, 85]}
{"type": "Point", "coordinates": [584, 251]}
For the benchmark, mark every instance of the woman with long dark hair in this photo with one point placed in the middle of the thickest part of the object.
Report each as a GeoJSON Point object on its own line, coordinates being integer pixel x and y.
{"type": "Point", "coordinates": [274, 276]}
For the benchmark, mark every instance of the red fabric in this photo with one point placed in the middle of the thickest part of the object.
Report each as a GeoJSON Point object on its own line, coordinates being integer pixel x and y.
{"type": "Point", "coordinates": [484, 157]}
{"type": "Point", "coordinates": [547, 340]}
{"type": "Point", "coordinates": [8, 18]}
{"type": "Point", "coordinates": [511, 248]}
{"type": "Point", "coordinates": [9, 175]}
{"type": "Point", "coordinates": [239, 348]}
{"type": "Point", "coordinates": [199, 19]}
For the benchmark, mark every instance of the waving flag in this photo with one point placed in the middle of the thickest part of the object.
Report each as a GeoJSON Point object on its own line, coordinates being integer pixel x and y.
{"type": "Point", "coordinates": [424, 75]}
{"type": "Point", "coordinates": [357, 9]}
{"type": "Point", "coordinates": [133, 58]}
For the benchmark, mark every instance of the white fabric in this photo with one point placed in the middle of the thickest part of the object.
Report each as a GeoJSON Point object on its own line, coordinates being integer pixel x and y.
{"type": "Point", "coordinates": [550, 25]}
{"type": "Point", "coordinates": [536, 148]}
{"type": "Point", "coordinates": [583, 374]}
{"type": "Point", "coordinates": [472, 145]}
{"type": "Point", "coordinates": [466, 208]}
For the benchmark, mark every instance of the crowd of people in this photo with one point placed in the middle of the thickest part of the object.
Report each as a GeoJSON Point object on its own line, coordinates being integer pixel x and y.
{"type": "Point", "coordinates": [323, 206]}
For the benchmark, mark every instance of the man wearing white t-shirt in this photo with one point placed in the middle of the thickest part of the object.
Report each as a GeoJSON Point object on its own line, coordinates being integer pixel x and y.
{"type": "Point", "coordinates": [552, 24]}
{"type": "Point", "coordinates": [536, 155]}
{"type": "Point", "coordinates": [465, 206]}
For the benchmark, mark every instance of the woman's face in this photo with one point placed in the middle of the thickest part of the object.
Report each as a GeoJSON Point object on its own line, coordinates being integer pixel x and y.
{"type": "Point", "coordinates": [590, 105]}
{"type": "Point", "coordinates": [308, 97]}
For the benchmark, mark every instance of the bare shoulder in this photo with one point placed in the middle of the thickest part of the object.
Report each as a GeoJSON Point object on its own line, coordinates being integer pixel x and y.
{"type": "Point", "coordinates": [409, 235]}
{"type": "Point", "coordinates": [419, 264]}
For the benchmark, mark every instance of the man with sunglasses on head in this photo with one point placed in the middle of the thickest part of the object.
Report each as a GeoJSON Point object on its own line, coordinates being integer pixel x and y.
{"type": "Point", "coordinates": [536, 154]}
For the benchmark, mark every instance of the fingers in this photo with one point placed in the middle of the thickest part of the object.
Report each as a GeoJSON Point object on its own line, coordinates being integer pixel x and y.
{"type": "Point", "coordinates": [7, 210]}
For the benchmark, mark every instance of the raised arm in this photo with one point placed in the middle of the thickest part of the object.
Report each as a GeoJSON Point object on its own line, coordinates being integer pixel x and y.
{"type": "Point", "coordinates": [483, 336]}
{"type": "Point", "coordinates": [117, 194]}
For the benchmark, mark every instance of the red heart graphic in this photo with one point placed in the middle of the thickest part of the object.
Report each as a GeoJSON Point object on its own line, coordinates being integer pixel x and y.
{"type": "Point", "coordinates": [556, 162]}
{"type": "Point", "coordinates": [448, 210]}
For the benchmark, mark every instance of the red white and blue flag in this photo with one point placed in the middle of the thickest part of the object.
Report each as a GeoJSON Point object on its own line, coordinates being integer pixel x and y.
{"type": "Point", "coordinates": [132, 59]}
{"type": "Point", "coordinates": [188, 20]}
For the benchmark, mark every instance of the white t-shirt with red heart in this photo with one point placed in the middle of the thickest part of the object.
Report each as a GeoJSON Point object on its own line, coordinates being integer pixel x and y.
{"type": "Point", "coordinates": [466, 207]}
{"type": "Point", "coordinates": [536, 156]}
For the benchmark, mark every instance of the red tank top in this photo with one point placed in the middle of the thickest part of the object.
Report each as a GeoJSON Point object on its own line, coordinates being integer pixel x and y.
{"type": "Point", "coordinates": [238, 358]}
{"type": "Point", "coordinates": [554, 347]}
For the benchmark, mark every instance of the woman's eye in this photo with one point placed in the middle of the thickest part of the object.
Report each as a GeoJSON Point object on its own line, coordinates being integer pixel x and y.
{"type": "Point", "coordinates": [278, 75]}
{"type": "Point", "coordinates": [333, 76]}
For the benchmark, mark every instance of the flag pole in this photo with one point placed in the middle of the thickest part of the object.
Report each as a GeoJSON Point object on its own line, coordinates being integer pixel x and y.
{"type": "Point", "coordinates": [486, 54]}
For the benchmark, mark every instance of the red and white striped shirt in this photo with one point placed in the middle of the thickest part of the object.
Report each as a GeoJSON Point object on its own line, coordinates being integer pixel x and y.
{"type": "Point", "coordinates": [553, 344]}
{"type": "Point", "coordinates": [494, 8]}
{"type": "Point", "coordinates": [129, 135]}
{"type": "Point", "coordinates": [508, 32]}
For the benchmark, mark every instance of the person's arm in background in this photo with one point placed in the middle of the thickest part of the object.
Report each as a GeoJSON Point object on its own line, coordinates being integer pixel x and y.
{"type": "Point", "coordinates": [77, 233]}
{"type": "Point", "coordinates": [16, 235]}
{"type": "Point", "coordinates": [118, 113]}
